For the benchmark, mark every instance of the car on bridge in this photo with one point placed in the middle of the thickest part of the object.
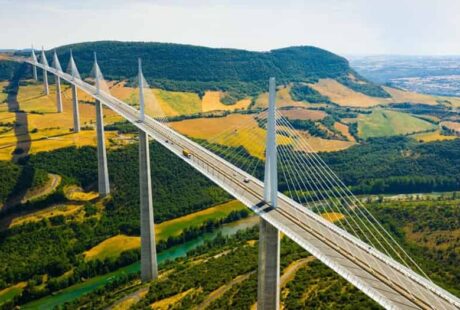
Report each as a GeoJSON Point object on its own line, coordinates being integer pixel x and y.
{"type": "Point", "coordinates": [187, 153]}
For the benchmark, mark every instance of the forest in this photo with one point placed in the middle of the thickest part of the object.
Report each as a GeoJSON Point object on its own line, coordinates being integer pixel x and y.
{"type": "Point", "coordinates": [53, 245]}
{"type": "Point", "coordinates": [314, 285]}
{"type": "Point", "coordinates": [179, 67]}
{"type": "Point", "coordinates": [398, 165]}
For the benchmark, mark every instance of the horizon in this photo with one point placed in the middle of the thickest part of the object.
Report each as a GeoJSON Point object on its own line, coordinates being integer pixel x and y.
{"type": "Point", "coordinates": [344, 28]}
{"type": "Point", "coordinates": [235, 48]}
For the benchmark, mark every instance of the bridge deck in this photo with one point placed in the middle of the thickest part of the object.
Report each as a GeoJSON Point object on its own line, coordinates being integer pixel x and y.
{"type": "Point", "coordinates": [380, 277]}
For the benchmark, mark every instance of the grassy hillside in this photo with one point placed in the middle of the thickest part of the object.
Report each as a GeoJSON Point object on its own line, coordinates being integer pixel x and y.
{"type": "Point", "coordinates": [382, 123]}
{"type": "Point", "coordinates": [194, 68]}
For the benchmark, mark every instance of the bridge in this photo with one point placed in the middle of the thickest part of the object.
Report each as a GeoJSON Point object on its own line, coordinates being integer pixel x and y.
{"type": "Point", "coordinates": [390, 281]}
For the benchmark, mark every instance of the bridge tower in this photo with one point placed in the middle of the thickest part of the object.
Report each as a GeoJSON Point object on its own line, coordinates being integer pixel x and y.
{"type": "Point", "coordinates": [103, 172]}
{"type": "Point", "coordinates": [149, 266]}
{"type": "Point", "coordinates": [57, 66]}
{"type": "Point", "coordinates": [269, 240]}
{"type": "Point", "coordinates": [76, 113]}
{"type": "Point", "coordinates": [45, 73]}
{"type": "Point", "coordinates": [141, 92]}
{"type": "Point", "coordinates": [34, 67]}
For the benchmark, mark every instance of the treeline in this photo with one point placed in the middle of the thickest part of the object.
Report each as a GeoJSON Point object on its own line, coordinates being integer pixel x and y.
{"type": "Point", "coordinates": [179, 67]}
{"type": "Point", "coordinates": [15, 179]}
{"type": "Point", "coordinates": [367, 88]}
{"type": "Point", "coordinates": [398, 165]}
{"type": "Point", "coordinates": [191, 233]}
{"type": "Point", "coordinates": [7, 69]}
{"type": "Point", "coordinates": [302, 92]}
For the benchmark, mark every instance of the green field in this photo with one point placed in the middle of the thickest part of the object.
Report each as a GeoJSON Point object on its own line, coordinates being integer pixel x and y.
{"type": "Point", "coordinates": [381, 123]}
{"type": "Point", "coordinates": [176, 226]}
{"type": "Point", "coordinates": [181, 102]}
{"type": "Point", "coordinates": [10, 292]}
{"type": "Point", "coordinates": [115, 245]}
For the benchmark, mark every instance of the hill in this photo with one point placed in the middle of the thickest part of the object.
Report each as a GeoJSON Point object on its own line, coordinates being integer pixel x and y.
{"type": "Point", "coordinates": [195, 68]}
{"type": "Point", "coordinates": [382, 123]}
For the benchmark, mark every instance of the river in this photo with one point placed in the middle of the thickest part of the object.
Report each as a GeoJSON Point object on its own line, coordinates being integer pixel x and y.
{"type": "Point", "coordinates": [75, 291]}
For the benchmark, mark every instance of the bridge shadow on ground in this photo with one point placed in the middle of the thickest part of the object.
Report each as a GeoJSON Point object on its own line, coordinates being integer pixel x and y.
{"type": "Point", "coordinates": [21, 124]}
{"type": "Point", "coordinates": [23, 140]}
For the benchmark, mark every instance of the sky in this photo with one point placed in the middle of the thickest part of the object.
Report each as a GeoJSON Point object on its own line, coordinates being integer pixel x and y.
{"type": "Point", "coordinates": [346, 27]}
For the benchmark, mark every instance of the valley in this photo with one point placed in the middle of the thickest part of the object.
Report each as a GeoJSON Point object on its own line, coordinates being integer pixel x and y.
{"type": "Point", "coordinates": [63, 246]}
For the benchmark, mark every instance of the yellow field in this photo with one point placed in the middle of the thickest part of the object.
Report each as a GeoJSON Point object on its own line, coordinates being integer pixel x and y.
{"type": "Point", "coordinates": [211, 102]}
{"type": "Point", "coordinates": [283, 99]}
{"type": "Point", "coordinates": [303, 114]}
{"type": "Point", "coordinates": [42, 128]}
{"type": "Point", "coordinates": [65, 210]}
{"type": "Point", "coordinates": [127, 303]}
{"type": "Point", "coordinates": [452, 125]}
{"type": "Point", "coordinates": [231, 130]}
{"type": "Point", "coordinates": [323, 145]}
{"type": "Point", "coordinates": [3, 95]}
{"type": "Point", "coordinates": [73, 192]}
{"type": "Point", "coordinates": [333, 216]}
{"type": "Point", "coordinates": [406, 96]}
{"type": "Point", "coordinates": [344, 131]}
{"type": "Point", "coordinates": [432, 136]}
{"type": "Point", "coordinates": [345, 96]}
{"type": "Point", "coordinates": [165, 304]}
{"type": "Point", "coordinates": [47, 140]}
{"type": "Point", "coordinates": [112, 247]}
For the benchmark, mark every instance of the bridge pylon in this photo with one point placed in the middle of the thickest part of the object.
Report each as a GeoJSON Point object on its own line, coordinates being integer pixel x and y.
{"type": "Point", "coordinates": [103, 172]}
{"type": "Point", "coordinates": [57, 66]}
{"type": "Point", "coordinates": [45, 73]}
{"type": "Point", "coordinates": [149, 265]}
{"type": "Point", "coordinates": [34, 67]}
{"type": "Point", "coordinates": [75, 112]}
{"type": "Point", "coordinates": [269, 241]}
{"type": "Point", "coordinates": [141, 92]}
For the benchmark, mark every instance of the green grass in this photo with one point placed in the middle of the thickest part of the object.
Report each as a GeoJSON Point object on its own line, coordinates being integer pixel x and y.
{"type": "Point", "coordinates": [176, 226]}
{"type": "Point", "coordinates": [181, 102]}
{"type": "Point", "coordinates": [382, 123]}
{"type": "Point", "coordinates": [10, 292]}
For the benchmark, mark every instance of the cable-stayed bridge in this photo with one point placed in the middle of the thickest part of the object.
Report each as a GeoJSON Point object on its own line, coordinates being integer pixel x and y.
{"type": "Point", "coordinates": [358, 248]}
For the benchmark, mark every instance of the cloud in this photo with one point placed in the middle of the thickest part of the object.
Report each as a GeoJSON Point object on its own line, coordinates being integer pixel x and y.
{"type": "Point", "coordinates": [345, 26]}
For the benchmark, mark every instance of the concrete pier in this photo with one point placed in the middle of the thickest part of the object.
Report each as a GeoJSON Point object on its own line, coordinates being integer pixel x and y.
{"type": "Point", "coordinates": [34, 72]}
{"type": "Point", "coordinates": [268, 292]}
{"type": "Point", "coordinates": [46, 89]}
{"type": "Point", "coordinates": [149, 267]}
{"type": "Point", "coordinates": [76, 113]}
{"type": "Point", "coordinates": [103, 172]}
{"type": "Point", "coordinates": [34, 68]}
{"type": "Point", "coordinates": [45, 73]}
{"type": "Point", "coordinates": [58, 95]}
{"type": "Point", "coordinates": [268, 296]}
